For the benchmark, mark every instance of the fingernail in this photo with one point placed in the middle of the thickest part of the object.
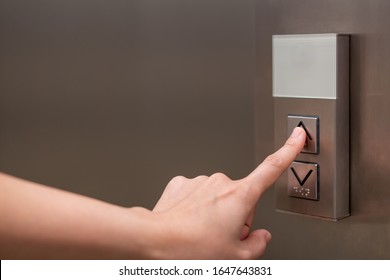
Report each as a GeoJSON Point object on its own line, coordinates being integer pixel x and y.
{"type": "Point", "coordinates": [268, 236]}
{"type": "Point", "coordinates": [296, 132]}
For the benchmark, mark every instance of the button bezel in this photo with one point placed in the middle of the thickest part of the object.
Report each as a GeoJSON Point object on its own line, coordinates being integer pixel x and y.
{"type": "Point", "coordinates": [303, 180]}
{"type": "Point", "coordinates": [311, 124]}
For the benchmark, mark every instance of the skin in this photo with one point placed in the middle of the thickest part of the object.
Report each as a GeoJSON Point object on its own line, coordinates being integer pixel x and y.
{"type": "Point", "coordinates": [207, 217]}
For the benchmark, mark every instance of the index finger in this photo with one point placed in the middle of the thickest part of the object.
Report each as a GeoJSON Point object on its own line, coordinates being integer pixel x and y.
{"type": "Point", "coordinates": [274, 165]}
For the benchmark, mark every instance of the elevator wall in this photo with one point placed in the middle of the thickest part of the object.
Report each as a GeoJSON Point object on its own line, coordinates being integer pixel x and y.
{"type": "Point", "coordinates": [112, 99]}
{"type": "Point", "coordinates": [366, 234]}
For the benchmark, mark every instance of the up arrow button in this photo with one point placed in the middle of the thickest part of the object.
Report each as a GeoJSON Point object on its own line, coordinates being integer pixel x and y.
{"type": "Point", "coordinates": [301, 124]}
{"type": "Point", "coordinates": [311, 125]}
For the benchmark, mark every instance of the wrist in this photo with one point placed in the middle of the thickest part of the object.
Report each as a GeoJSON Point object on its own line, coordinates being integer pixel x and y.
{"type": "Point", "coordinates": [143, 234]}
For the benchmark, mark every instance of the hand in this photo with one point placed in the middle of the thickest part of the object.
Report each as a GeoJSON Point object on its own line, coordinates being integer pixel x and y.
{"type": "Point", "coordinates": [200, 218]}
{"type": "Point", "coordinates": [211, 217]}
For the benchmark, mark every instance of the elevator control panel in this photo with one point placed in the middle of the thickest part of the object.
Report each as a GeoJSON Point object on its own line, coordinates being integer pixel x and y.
{"type": "Point", "coordinates": [311, 90]}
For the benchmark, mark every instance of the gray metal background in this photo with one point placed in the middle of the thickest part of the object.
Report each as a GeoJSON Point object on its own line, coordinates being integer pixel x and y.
{"type": "Point", "coordinates": [113, 98]}
{"type": "Point", "coordinates": [366, 234]}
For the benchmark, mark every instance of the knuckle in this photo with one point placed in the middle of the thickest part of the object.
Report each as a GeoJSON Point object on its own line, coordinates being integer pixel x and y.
{"type": "Point", "coordinates": [219, 177]}
{"type": "Point", "coordinates": [201, 177]}
{"type": "Point", "coordinates": [274, 160]}
{"type": "Point", "coordinates": [177, 180]}
{"type": "Point", "coordinates": [291, 143]}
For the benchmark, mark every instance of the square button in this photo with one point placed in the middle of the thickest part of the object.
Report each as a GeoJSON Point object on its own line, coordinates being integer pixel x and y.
{"type": "Point", "coordinates": [311, 126]}
{"type": "Point", "coordinates": [303, 180]}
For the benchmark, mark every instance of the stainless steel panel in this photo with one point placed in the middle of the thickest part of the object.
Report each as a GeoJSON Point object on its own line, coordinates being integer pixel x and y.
{"type": "Point", "coordinates": [334, 187]}
{"type": "Point", "coordinates": [365, 234]}
{"type": "Point", "coordinates": [333, 154]}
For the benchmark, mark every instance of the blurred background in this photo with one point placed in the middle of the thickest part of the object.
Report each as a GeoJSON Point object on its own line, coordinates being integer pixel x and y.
{"type": "Point", "coordinates": [112, 99]}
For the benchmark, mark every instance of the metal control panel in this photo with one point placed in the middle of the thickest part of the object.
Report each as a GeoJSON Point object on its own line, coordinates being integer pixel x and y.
{"type": "Point", "coordinates": [311, 90]}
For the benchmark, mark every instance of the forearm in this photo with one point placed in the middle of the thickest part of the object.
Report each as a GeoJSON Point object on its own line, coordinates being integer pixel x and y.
{"type": "Point", "coordinates": [203, 217]}
{"type": "Point", "coordinates": [42, 222]}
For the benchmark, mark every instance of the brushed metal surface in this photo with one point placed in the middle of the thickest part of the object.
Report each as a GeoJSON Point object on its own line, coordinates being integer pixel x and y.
{"type": "Point", "coordinates": [334, 155]}
{"type": "Point", "coordinates": [333, 182]}
{"type": "Point", "coordinates": [112, 99]}
{"type": "Point", "coordinates": [365, 234]}
{"type": "Point", "coordinates": [141, 55]}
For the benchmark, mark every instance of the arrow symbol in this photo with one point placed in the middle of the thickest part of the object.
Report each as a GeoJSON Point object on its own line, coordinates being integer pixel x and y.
{"type": "Point", "coordinates": [299, 179]}
{"type": "Point", "coordinates": [301, 124]}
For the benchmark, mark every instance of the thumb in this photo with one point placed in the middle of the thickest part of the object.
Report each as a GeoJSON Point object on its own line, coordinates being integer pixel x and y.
{"type": "Point", "coordinates": [274, 165]}
{"type": "Point", "coordinates": [255, 244]}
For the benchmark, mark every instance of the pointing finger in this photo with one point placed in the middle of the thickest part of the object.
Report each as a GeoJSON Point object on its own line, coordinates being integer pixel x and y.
{"type": "Point", "coordinates": [274, 165]}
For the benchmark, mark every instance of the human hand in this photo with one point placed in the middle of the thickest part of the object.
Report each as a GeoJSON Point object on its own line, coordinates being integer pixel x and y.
{"type": "Point", "coordinates": [200, 218]}
{"type": "Point", "coordinates": [211, 217]}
